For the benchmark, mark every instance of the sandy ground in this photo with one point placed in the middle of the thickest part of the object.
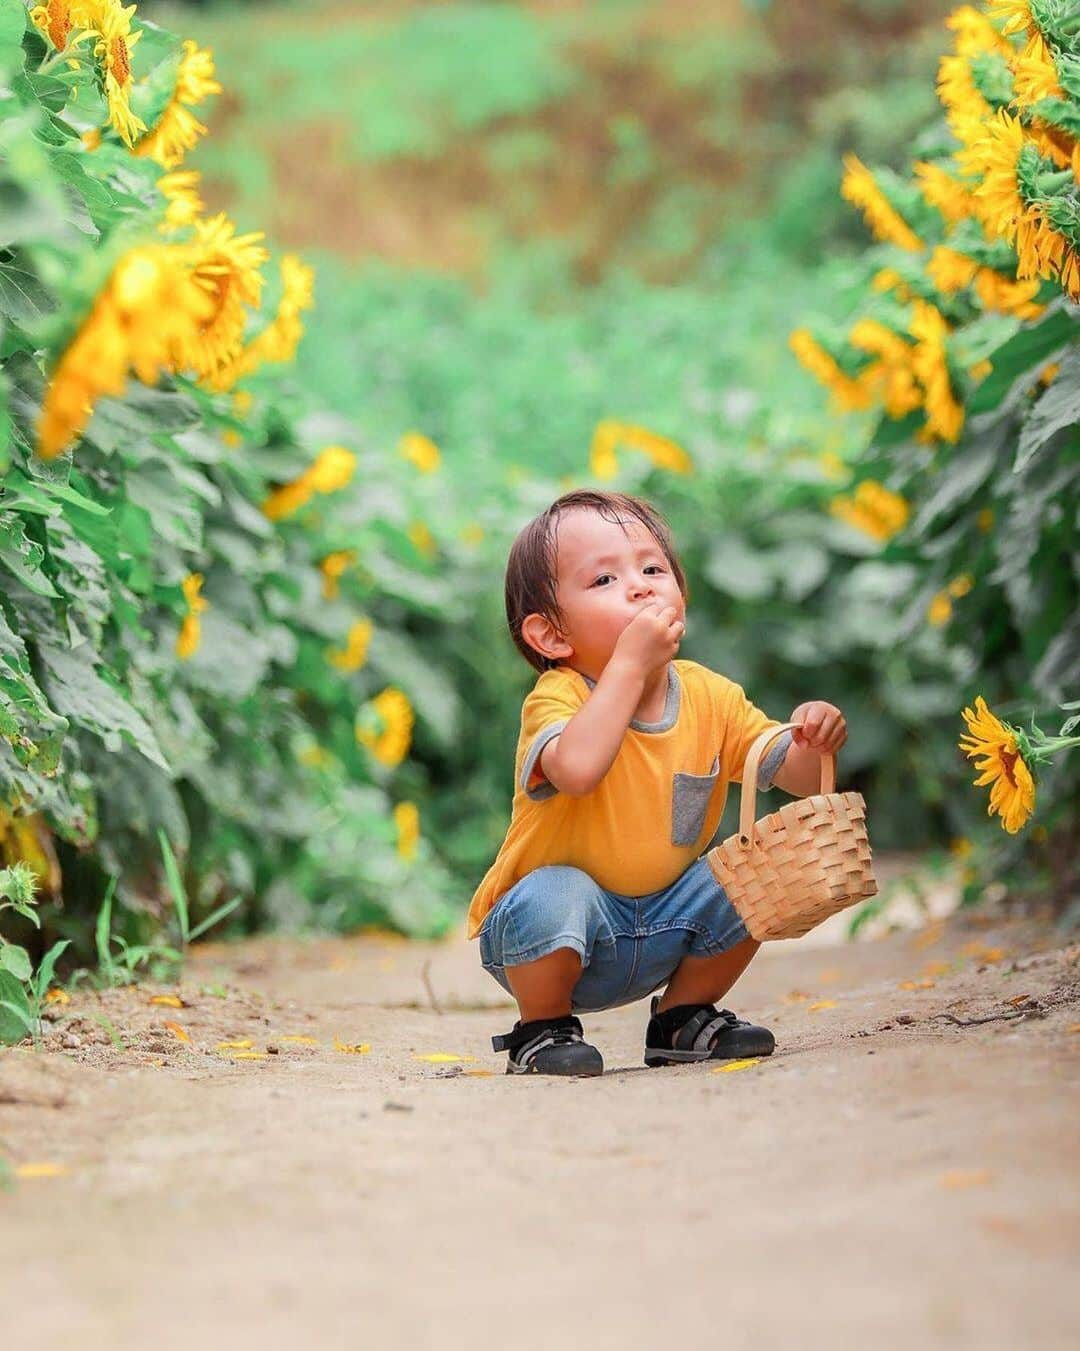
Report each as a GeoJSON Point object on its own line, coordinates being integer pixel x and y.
{"type": "Point", "coordinates": [902, 1172]}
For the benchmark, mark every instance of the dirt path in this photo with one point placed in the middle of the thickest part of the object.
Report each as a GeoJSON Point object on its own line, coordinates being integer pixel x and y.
{"type": "Point", "coordinates": [888, 1176]}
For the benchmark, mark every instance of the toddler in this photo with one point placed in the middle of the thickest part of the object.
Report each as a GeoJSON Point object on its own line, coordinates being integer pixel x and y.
{"type": "Point", "coordinates": [599, 894]}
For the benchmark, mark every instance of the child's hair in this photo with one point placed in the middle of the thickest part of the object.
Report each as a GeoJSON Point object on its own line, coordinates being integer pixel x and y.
{"type": "Point", "coordinates": [530, 569]}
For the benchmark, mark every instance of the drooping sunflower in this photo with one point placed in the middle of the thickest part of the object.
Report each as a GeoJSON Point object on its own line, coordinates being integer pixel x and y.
{"type": "Point", "coordinates": [610, 433]}
{"type": "Point", "coordinates": [847, 393]}
{"type": "Point", "coordinates": [860, 187]}
{"type": "Point", "coordinates": [941, 189]}
{"type": "Point", "coordinates": [944, 414]}
{"type": "Point", "coordinates": [110, 24]}
{"type": "Point", "coordinates": [874, 509]}
{"type": "Point", "coordinates": [407, 820]}
{"type": "Point", "coordinates": [333, 468]}
{"type": "Point", "coordinates": [181, 191]}
{"type": "Point", "coordinates": [279, 340]}
{"type": "Point", "coordinates": [177, 130]}
{"type": "Point", "coordinates": [225, 268]}
{"type": "Point", "coordinates": [389, 742]}
{"type": "Point", "coordinates": [332, 567]}
{"type": "Point", "coordinates": [994, 747]}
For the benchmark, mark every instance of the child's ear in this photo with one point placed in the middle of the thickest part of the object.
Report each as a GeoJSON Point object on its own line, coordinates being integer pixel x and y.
{"type": "Point", "coordinates": [543, 637]}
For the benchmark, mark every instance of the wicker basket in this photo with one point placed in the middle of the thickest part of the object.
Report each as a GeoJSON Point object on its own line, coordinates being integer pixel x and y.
{"type": "Point", "coordinates": [789, 871]}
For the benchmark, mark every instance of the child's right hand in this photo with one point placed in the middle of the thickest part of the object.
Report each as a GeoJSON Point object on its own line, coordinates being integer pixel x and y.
{"type": "Point", "coordinates": [651, 639]}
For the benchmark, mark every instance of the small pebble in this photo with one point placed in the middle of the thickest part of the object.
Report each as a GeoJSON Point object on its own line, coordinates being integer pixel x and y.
{"type": "Point", "coordinates": [271, 1049]}
{"type": "Point", "coordinates": [71, 1042]}
{"type": "Point", "coordinates": [396, 1107]}
{"type": "Point", "coordinates": [904, 1019]}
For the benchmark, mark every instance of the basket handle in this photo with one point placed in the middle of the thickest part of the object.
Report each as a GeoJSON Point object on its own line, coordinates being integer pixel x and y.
{"type": "Point", "coordinates": [748, 804]}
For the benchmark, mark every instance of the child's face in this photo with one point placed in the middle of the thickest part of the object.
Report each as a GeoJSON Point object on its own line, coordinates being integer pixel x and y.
{"type": "Point", "coordinates": [605, 573]}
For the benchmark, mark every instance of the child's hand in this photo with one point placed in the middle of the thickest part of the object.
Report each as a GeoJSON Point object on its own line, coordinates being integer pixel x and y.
{"type": "Point", "coordinates": [651, 638]}
{"type": "Point", "coordinates": [824, 727]}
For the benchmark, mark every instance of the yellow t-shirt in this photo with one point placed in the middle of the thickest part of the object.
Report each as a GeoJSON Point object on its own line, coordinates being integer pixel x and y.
{"type": "Point", "coordinates": [658, 805]}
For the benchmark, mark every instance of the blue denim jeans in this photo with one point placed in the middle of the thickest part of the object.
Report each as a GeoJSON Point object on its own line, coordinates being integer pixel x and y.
{"type": "Point", "coordinates": [629, 945]}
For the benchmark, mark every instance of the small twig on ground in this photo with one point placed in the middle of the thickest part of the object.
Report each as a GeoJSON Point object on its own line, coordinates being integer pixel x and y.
{"type": "Point", "coordinates": [427, 985]}
{"type": "Point", "coordinates": [993, 1018]}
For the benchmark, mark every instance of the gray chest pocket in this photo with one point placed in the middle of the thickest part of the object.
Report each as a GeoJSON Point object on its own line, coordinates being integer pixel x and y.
{"type": "Point", "coordinates": [690, 794]}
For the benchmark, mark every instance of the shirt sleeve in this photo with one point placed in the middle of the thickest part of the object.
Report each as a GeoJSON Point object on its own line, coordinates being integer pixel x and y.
{"type": "Point", "coordinates": [548, 707]}
{"type": "Point", "coordinates": [745, 723]}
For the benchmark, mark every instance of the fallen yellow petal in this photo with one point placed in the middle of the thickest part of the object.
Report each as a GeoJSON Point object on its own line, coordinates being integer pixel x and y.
{"type": "Point", "coordinates": [442, 1057]}
{"type": "Point", "coordinates": [352, 1048]}
{"type": "Point", "coordinates": [1073, 1027]}
{"type": "Point", "coordinates": [242, 1045]}
{"type": "Point", "coordinates": [916, 985]}
{"type": "Point", "coordinates": [930, 935]}
{"type": "Point", "coordinates": [736, 1065]}
{"type": "Point", "coordinates": [57, 996]}
{"type": "Point", "coordinates": [960, 1178]}
{"type": "Point", "coordinates": [249, 1055]}
{"type": "Point", "coordinates": [796, 997]}
{"type": "Point", "coordinates": [170, 1001]}
{"type": "Point", "coordinates": [823, 1004]}
{"type": "Point", "coordinates": [479, 1074]}
{"type": "Point", "coordinates": [28, 1170]}
{"type": "Point", "coordinates": [301, 1041]}
{"type": "Point", "coordinates": [177, 1031]}
{"type": "Point", "coordinates": [936, 968]}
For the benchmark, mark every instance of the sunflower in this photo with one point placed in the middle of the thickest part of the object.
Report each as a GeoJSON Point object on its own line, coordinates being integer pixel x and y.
{"type": "Point", "coordinates": [1012, 794]}
{"type": "Point", "coordinates": [407, 820]}
{"type": "Point", "coordinates": [390, 741]}
{"type": "Point", "coordinates": [940, 189]}
{"type": "Point", "coordinates": [951, 271]}
{"type": "Point", "coordinates": [422, 539]}
{"type": "Point", "coordinates": [354, 654]}
{"type": "Point", "coordinates": [421, 451]}
{"type": "Point", "coordinates": [861, 189]}
{"type": "Point", "coordinates": [975, 33]}
{"type": "Point", "coordinates": [610, 433]}
{"type": "Point", "coordinates": [332, 567]}
{"type": "Point", "coordinates": [333, 469]}
{"type": "Point", "coordinates": [848, 394]}
{"type": "Point", "coordinates": [874, 509]}
{"type": "Point", "coordinates": [1008, 297]}
{"type": "Point", "coordinates": [1016, 13]}
{"type": "Point", "coordinates": [141, 313]}
{"type": "Point", "coordinates": [181, 191]}
{"type": "Point", "coordinates": [187, 643]}
{"type": "Point", "coordinates": [110, 23]}
{"type": "Point", "coordinates": [939, 611]}
{"type": "Point", "coordinates": [54, 20]}
{"type": "Point", "coordinates": [177, 130]}
{"type": "Point", "coordinates": [225, 268]}
{"type": "Point", "coordinates": [944, 415]}
{"type": "Point", "coordinates": [1035, 76]}
{"type": "Point", "coordinates": [279, 340]}
{"type": "Point", "coordinates": [892, 375]}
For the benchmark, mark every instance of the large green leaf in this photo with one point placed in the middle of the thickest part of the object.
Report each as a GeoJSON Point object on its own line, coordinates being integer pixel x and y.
{"type": "Point", "coordinates": [1037, 342]}
{"type": "Point", "coordinates": [1058, 408]}
{"type": "Point", "coordinates": [81, 694]}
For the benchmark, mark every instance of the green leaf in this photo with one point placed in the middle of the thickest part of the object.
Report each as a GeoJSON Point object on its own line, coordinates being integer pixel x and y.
{"type": "Point", "coordinates": [1032, 344]}
{"type": "Point", "coordinates": [103, 926]}
{"type": "Point", "coordinates": [1058, 408]}
{"type": "Point", "coordinates": [22, 556]}
{"type": "Point", "coordinates": [16, 1020]}
{"type": "Point", "coordinates": [45, 970]}
{"type": "Point", "coordinates": [176, 884]}
{"type": "Point", "coordinates": [15, 960]}
{"type": "Point", "coordinates": [22, 295]}
{"type": "Point", "coordinates": [78, 691]}
{"type": "Point", "coordinates": [215, 918]}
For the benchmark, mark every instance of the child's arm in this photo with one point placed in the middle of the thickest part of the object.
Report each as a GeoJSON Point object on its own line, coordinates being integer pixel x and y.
{"type": "Point", "coordinates": [578, 758]}
{"type": "Point", "coordinates": [824, 728]}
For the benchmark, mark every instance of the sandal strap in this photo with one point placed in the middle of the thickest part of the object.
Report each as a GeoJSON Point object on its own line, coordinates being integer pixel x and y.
{"type": "Point", "coordinates": [700, 1029]}
{"type": "Point", "coordinates": [524, 1042]}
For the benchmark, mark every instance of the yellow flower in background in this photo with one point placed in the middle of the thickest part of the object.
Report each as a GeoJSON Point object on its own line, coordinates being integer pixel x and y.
{"type": "Point", "coordinates": [833, 466]}
{"type": "Point", "coordinates": [873, 509]}
{"type": "Point", "coordinates": [187, 643]}
{"type": "Point", "coordinates": [395, 719]}
{"type": "Point", "coordinates": [960, 847]}
{"type": "Point", "coordinates": [281, 337]}
{"type": "Point", "coordinates": [960, 586]}
{"type": "Point", "coordinates": [888, 279]}
{"type": "Point", "coordinates": [1012, 792]}
{"type": "Point", "coordinates": [407, 820]}
{"type": "Point", "coordinates": [421, 451]}
{"type": "Point", "coordinates": [940, 189]}
{"type": "Point", "coordinates": [985, 520]}
{"type": "Point", "coordinates": [181, 191]}
{"type": "Point", "coordinates": [944, 415]}
{"type": "Point", "coordinates": [939, 611]}
{"type": "Point", "coordinates": [225, 267]}
{"type": "Point", "coordinates": [145, 306]}
{"type": "Point", "coordinates": [317, 757]}
{"type": "Point", "coordinates": [950, 271]}
{"type": "Point", "coordinates": [178, 130]}
{"type": "Point", "coordinates": [610, 433]}
{"type": "Point", "coordinates": [860, 188]}
{"type": "Point", "coordinates": [422, 539]}
{"type": "Point", "coordinates": [892, 376]}
{"type": "Point", "coordinates": [472, 533]}
{"type": "Point", "coordinates": [332, 567]}
{"type": "Point", "coordinates": [848, 394]}
{"type": "Point", "coordinates": [975, 33]}
{"type": "Point", "coordinates": [354, 654]}
{"type": "Point", "coordinates": [332, 470]}
{"type": "Point", "coordinates": [996, 292]}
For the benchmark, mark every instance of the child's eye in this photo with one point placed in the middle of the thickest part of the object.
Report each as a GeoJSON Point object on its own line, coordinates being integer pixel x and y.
{"type": "Point", "coordinates": [604, 575]}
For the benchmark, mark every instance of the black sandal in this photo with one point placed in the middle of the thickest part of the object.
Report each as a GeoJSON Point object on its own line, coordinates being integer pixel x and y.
{"type": "Point", "coordinates": [549, 1046]}
{"type": "Point", "coordinates": [692, 1032]}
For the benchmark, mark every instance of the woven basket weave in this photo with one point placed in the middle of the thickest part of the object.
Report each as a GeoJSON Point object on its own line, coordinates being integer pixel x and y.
{"type": "Point", "coordinates": [789, 871]}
